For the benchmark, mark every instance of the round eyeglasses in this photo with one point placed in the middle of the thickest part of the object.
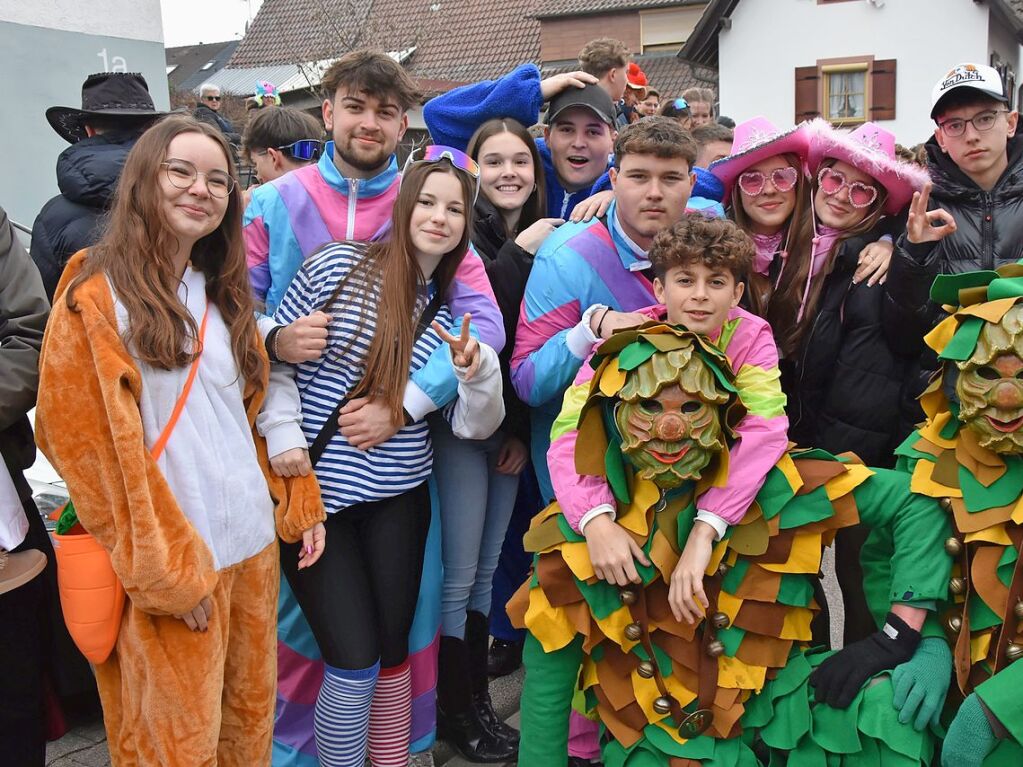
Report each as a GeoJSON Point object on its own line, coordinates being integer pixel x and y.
{"type": "Point", "coordinates": [182, 175]}
{"type": "Point", "coordinates": [982, 122]}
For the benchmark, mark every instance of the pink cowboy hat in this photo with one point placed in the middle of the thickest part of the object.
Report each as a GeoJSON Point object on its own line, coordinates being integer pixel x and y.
{"type": "Point", "coordinates": [756, 140]}
{"type": "Point", "coordinates": [871, 150]}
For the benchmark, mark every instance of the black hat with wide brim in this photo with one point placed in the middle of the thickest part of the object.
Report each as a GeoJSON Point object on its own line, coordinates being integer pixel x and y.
{"type": "Point", "coordinates": [107, 95]}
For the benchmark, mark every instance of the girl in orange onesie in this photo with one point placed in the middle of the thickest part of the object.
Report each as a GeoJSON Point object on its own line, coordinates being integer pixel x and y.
{"type": "Point", "coordinates": [191, 535]}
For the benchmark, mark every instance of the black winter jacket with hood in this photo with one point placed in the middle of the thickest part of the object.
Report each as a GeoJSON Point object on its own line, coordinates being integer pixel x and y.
{"type": "Point", "coordinates": [845, 386]}
{"type": "Point", "coordinates": [87, 174]}
{"type": "Point", "coordinates": [989, 225]}
{"type": "Point", "coordinates": [508, 268]}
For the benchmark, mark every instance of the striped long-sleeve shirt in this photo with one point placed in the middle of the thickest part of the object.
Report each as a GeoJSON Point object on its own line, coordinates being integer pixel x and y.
{"type": "Point", "coordinates": [290, 218]}
{"type": "Point", "coordinates": [749, 344]}
{"type": "Point", "coordinates": [346, 474]}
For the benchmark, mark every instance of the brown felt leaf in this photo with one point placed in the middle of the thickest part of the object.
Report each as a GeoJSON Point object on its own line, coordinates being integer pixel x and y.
{"type": "Point", "coordinates": [591, 444]}
{"type": "Point", "coordinates": [946, 469]}
{"type": "Point", "coordinates": [984, 571]}
{"type": "Point", "coordinates": [543, 536]}
{"type": "Point", "coordinates": [557, 581]}
{"type": "Point", "coordinates": [979, 520]}
{"type": "Point", "coordinates": [751, 539]}
{"type": "Point", "coordinates": [815, 472]}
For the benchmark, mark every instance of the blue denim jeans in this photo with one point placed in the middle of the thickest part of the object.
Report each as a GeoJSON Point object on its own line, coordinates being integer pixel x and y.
{"type": "Point", "coordinates": [476, 503]}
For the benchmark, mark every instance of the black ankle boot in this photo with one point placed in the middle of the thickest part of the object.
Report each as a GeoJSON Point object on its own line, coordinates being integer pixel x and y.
{"type": "Point", "coordinates": [505, 658]}
{"type": "Point", "coordinates": [457, 721]}
{"type": "Point", "coordinates": [477, 637]}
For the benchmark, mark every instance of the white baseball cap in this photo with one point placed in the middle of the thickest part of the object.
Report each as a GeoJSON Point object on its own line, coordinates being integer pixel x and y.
{"type": "Point", "coordinates": [977, 76]}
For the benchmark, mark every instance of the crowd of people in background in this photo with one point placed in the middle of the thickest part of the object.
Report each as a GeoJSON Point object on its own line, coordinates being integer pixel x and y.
{"type": "Point", "coordinates": [312, 418]}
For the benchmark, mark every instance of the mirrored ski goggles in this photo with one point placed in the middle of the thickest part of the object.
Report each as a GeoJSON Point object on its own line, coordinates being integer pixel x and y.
{"type": "Point", "coordinates": [438, 152]}
{"type": "Point", "coordinates": [307, 149]}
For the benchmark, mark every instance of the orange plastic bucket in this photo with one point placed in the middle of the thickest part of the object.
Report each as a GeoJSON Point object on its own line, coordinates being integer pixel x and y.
{"type": "Point", "coordinates": [91, 596]}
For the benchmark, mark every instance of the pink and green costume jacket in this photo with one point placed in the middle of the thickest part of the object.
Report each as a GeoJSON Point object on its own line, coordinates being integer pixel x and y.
{"type": "Point", "coordinates": [749, 344]}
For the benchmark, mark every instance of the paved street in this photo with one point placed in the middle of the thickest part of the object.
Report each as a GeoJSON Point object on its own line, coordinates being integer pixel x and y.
{"type": "Point", "coordinates": [85, 746]}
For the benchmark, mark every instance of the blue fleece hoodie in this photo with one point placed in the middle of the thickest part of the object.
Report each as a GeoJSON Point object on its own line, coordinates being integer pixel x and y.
{"type": "Point", "coordinates": [454, 116]}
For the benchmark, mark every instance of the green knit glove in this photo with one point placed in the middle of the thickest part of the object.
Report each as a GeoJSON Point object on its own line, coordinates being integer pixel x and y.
{"type": "Point", "coordinates": [969, 738]}
{"type": "Point", "coordinates": [921, 683]}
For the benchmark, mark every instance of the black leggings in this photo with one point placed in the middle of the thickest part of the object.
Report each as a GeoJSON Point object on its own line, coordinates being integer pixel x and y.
{"type": "Point", "coordinates": [360, 597]}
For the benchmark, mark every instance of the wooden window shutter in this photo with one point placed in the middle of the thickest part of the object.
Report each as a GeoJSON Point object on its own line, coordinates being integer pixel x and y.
{"type": "Point", "coordinates": [807, 106]}
{"type": "Point", "coordinates": [882, 90]}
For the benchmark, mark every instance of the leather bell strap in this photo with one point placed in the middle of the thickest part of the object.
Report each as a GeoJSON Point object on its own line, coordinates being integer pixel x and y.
{"type": "Point", "coordinates": [1010, 623]}
{"type": "Point", "coordinates": [707, 670]}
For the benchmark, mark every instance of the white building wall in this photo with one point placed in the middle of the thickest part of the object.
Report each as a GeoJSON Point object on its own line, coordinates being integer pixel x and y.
{"type": "Point", "coordinates": [47, 49]}
{"type": "Point", "coordinates": [770, 38]}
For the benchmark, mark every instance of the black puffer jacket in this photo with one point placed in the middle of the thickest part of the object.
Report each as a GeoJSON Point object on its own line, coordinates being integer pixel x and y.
{"type": "Point", "coordinates": [508, 268]}
{"type": "Point", "coordinates": [87, 174]}
{"type": "Point", "coordinates": [989, 225]}
{"type": "Point", "coordinates": [846, 385]}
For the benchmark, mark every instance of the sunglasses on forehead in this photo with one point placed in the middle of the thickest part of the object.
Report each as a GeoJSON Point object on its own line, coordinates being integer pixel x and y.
{"type": "Point", "coordinates": [438, 152]}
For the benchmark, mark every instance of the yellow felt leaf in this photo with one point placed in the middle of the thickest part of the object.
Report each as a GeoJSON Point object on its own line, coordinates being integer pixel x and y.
{"type": "Point", "coordinates": [612, 379]}
{"type": "Point", "coordinates": [577, 557]}
{"type": "Point", "coordinates": [843, 484]}
{"type": "Point", "coordinates": [614, 625]}
{"type": "Point", "coordinates": [729, 605]}
{"type": "Point", "coordinates": [923, 482]}
{"type": "Point", "coordinates": [646, 693]}
{"type": "Point", "coordinates": [980, 645]}
{"type": "Point", "coordinates": [931, 430]}
{"type": "Point", "coordinates": [1017, 513]}
{"type": "Point", "coordinates": [942, 333]}
{"type": "Point", "coordinates": [788, 467]}
{"type": "Point", "coordinates": [719, 551]}
{"type": "Point", "coordinates": [995, 534]}
{"type": "Point", "coordinates": [989, 311]}
{"type": "Point", "coordinates": [550, 625]}
{"type": "Point", "coordinates": [678, 691]}
{"type": "Point", "coordinates": [589, 677]}
{"type": "Point", "coordinates": [644, 495]}
{"type": "Point", "coordinates": [733, 674]}
{"type": "Point", "coordinates": [805, 556]}
{"type": "Point", "coordinates": [797, 624]}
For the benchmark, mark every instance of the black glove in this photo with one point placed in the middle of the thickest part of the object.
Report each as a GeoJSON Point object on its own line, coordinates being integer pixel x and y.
{"type": "Point", "coordinates": [838, 679]}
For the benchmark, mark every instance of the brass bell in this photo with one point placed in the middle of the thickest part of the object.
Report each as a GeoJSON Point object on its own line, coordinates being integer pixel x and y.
{"type": "Point", "coordinates": [662, 705]}
{"type": "Point", "coordinates": [957, 585]}
{"type": "Point", "coordinates": [720, 620]}
{"type": "Point", "coordinates": [1014, 652]}
{"type": "Point", "coordinates": [696, 723]}
{"type": "Point", "coordinates": [633, 632]}
{"type": "Point", "coordinates": [715, 648]}
{"type": "Point", "coordinates": [1018, 610]}
{"type": "Point", "coordinates": [628, 596]}
{"type": "Point", "coordinates": [645, 669]}
{"type": "Point", "coordinates": [954, 547]}
{"type": "Point", "coordinates": [954, 623]}
{"type": "Point", "coordinates": [945, 503]}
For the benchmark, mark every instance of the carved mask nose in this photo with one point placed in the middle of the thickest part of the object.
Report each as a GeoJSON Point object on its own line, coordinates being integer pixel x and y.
{"type": "Point", "coordinates": [670, 427]}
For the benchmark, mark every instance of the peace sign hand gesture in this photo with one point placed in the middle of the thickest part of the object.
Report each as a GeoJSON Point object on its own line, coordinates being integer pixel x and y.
{"type": "Point", "coordinates": [465, 351]}
{"type": "Point", "coordinates": [927, 225]}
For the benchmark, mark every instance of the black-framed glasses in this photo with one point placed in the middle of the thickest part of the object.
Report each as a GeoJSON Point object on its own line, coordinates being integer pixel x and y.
{"type": "Point", "coordinates": [211, 98]}
{"type": "Point", "coordinates": [182, 174]}
{"type": "Point", "coordinates": [982, 122]}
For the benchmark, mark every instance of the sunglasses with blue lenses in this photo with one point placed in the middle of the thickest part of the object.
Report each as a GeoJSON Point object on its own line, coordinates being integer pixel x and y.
{"type": "Point", "coordinates": [458, 159]}
{"type": "Point", "coordinates": [306, 150]}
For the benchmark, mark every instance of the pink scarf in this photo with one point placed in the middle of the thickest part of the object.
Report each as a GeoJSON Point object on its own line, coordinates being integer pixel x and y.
{"type": "Point", "coordinates": [768, 246]}
{"type": "Point", "coordinates": [823, 243]}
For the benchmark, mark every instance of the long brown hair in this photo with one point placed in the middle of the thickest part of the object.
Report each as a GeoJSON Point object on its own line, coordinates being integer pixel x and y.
{"type": "Point", "coordinates": [535, 206]}
{"type": "Point", "coordinates": [135, 254]}
{"type": "Point", "coordinates": [392, 266]}
{"type": "Point", "coordinates": [781, 306]}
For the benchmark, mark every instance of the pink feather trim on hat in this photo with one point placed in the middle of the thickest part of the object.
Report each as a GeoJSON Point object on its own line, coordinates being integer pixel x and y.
{"type": "Point", "coordinates": [871, 150]}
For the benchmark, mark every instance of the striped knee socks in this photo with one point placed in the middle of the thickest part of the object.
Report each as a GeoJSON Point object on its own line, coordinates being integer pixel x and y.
{"type": "Point", "coordinates": [390, 718]}
{"type": "Point", "coordinates": [342, 715]}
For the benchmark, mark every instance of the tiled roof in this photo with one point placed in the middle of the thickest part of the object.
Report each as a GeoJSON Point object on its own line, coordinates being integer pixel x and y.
{"type": "Point", "coordinates": [588, 7]}
{"type": "Point", "coordinates": [455, 40]}
{"type": "Point", "coordinates": [188, 62]}
{"type": "Point", "coordinates": [665, 72]}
